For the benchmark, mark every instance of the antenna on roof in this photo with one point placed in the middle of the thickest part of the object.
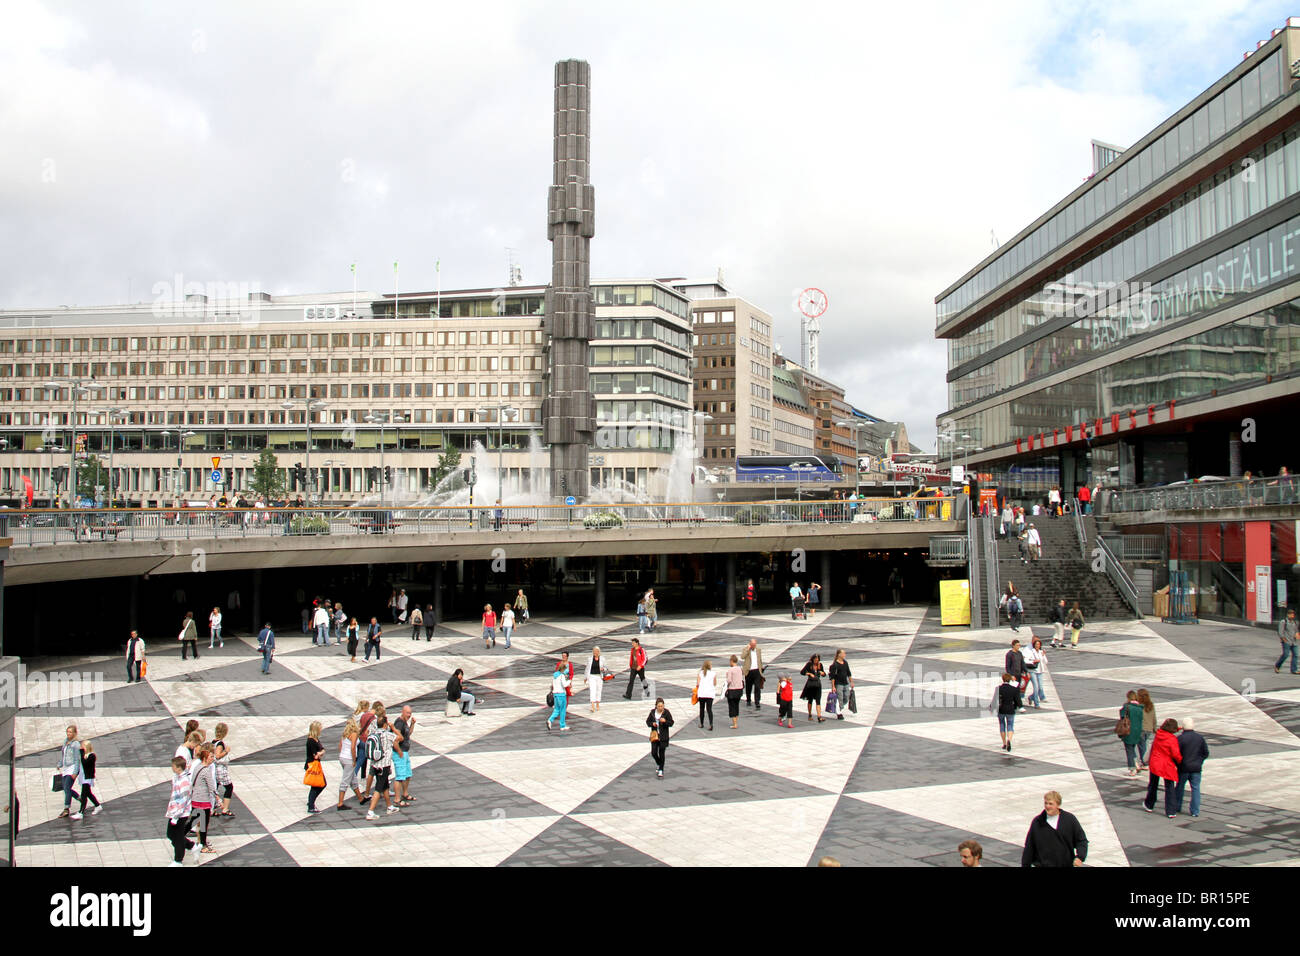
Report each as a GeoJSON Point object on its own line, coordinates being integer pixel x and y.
{"type": "Point", "coordinates": [514, 274]}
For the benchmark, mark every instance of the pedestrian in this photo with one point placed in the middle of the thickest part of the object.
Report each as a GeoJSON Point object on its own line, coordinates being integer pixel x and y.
{"type": "Point", "coordinates": [403, 602]}
{"type": "Point", "coordinates": [1075, 620]}
{"type": "Point", "coordinates": [521, 605]}
{"type": "Point", "coordinates": [1015, 608]}
{"type": "Point", "coordinates": [636, 664]}
{"type": "Point", "coordinates": [321, 622]}
{"type": "Point", "coordinates": [1055, 837]}
{"type": "Point", "coordinates": [349, 744]}
{"type": "Point", "coordinates": [179, 811]}
{"type": "Point", "coordinates": [652, 608]}
{"type": "Point", "coordinates": [70, 770]}
{"type": "Point", "coordinates": [489, 627]}
{"type": "Point", "coordinates": [1195, 752]}
{"type": "Point", "coordinates": [456, 692]}
{"type": "Point", "coordinates": [417, 622]}
{"type": "Point", "coordinates": [1006, 701]}
{"type": "Point", "coordinates": [189, 748]}
{"type": "Point", "coordinates": [354, 632]}
{"type": "Point", "coordinates": [374, 635]}
{"type": "Point", "coordinates": [134, 657]}
{"type": "Point", "coordinates": [392, 605]}
{"type": "Point", "coordinates": [1035, 543]}
{"type": "Point", "coordinates": [203, 795]}
{"type": "Point", "coordinates": [560, 684]}
{"type": "Point", "coordinates": [429, 622]}
{"type": "Point", "coordinates": [749, 596]}
{"type": "Point", "coordinates": [895, 584]}
{"type": "Point", "coordinates": [642, 622]}
{"type": "Point", "coordinates": [972, 854]}
{"type": "Point", "coordinates": [189, 636]}
{"type": "Point", "coordinates": [315, 775]}
{"type": "Point", "coordinates": [660, 722]}
{"type": "Point", "coordinates": [221, 766]}
{"type": "Point", "coordinates": [568, 670]}
{"type": "Point", "coordinates": [404, 729]}
{"type": "Point", "coordinates": [785, 701]}
{"type": "Point", "coordinates": [306, 620]}
{"type": "Point", "coordinates": [214, 629]}
{"type": "Point", "coordinates": [1014, 664]}
{"type": "Point", "coordinates": [751, 665]}
{"type": "Point", "coordinates": [1148, 725]}
{"type": "Point", "coordinates": [266, 644]}
{"type": "Point", "coordinates": [1054, 501]}
{"type": "Point", "coordinates": [1057, 617]}
{"type": "Point", "coordinates": [796, 600]}
{"type": "Point", "coordinates": [1022, 543]}
{"type": "Point", "coordinates": [1132, 740]}
{"type": "Point", "coordinates": [812, 688]}
{"type": "Point", "coordinates": [814, 598]}
{"type": "Point", "coordinates": [379, 755]}
{"type": "Point", "coordinates": [88, 780]}
{"type": "Point", "coordinates": [340, 624]}
{"type": "Point", "coordinates": [841, 682]}
{"type": "Point", "coordinates": [735, 687]}
{"type": "Point", "coordinates": [1085, 499]}
{"type": "Point", "coordinates": [1163, 765]}
{"type": "Point", "coordinates": [594, 674]}
{"type": "Point", "coordinates": [507, 624]}
{"type": "Point", "coordinates": [1008, 519]}
{"type": "Point", "coordinates": [705, 691]}
{"type": "Point", "coordinates": [1035, 665]}
{"type": "Point", "coordinates": [1286, 633]}
{"type": "Point", "coordinates": [364, 715]}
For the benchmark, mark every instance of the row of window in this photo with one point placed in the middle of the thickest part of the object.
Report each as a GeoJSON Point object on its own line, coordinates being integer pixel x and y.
{"type": "Point", "coordinates": [482, 363]}
{"type": "Point", "coordinates": [656, 329]}
{"type": "Point", "coordinates": [759, 327]}
{"type": "Point", "coordinates": [1251, 93]}
{"type": "Point", "coordinates": [760, 434]}
{"type": "Point", "coordinates": [760, 391]}
{"type": "Point", "coordinates": [758, 413]}
{"type": "Point", "coordinates": [303, 340]}
{"type": "Point", "coordinates": [261, 417]}
{"type": "Point", "coordinates": [715, 384]}
{"type": "Point", "coordinates": [793, 428]}
{"type": "Point", "coordinates": [639, 383]}
{"type": "Point", "coordinates": [722, 317]}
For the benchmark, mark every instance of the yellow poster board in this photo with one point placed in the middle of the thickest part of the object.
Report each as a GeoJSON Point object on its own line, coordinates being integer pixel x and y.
{"type": "Point", "coordinates": [954, 602]}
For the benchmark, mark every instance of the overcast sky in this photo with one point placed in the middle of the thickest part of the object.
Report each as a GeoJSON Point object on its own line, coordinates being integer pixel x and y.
{"type": "Point", "coordinates": [868, 150]}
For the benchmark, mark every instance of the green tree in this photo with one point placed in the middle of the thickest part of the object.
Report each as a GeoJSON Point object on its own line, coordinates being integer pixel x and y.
{"type": "Point", "coordinates": [268, 480]}
{"type": "Point", "coordinates": [448, 462]}
{"type": "Point", "coordinates": [91, 472]}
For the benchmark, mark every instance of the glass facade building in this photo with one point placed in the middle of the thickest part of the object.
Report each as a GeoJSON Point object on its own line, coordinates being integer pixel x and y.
{"type": "Point", "coordinates": [1125, 335]}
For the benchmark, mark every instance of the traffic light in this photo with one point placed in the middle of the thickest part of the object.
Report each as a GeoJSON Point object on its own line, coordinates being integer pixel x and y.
{"type": "Point", "coordinates": [388, 474]}
{"type": "Point", "coordinates": [299, 473]}
{"type": "Point", "coordinates": [373, 473]}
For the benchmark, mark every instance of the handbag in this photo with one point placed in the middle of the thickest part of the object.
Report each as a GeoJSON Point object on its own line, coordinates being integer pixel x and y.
{"type": "Point", "coordinates": [144, 668]}
{"type": "Point", "coordinates": [550, 698]}
{"type": "Point", "coordinates": [853, 700]}
{"type": "Point", "coordinates": [181, 635]}
{"type": "Point", "coordinates": [832, 702]}
{"type": "Point", "coordinates": [1123, 727]}
{"type": "Point", "coordinates": [654, 736]}
{"type": "Point", "coordinates": [315, 775]}
{"type": "Point", "coordinates": [56, 784]}
{"type": "Point", "coordinates": [695, 695]}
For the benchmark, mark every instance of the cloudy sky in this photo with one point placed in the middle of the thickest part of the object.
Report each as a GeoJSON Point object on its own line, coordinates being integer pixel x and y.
{"type": "Point", "coordinates": [870, 151]}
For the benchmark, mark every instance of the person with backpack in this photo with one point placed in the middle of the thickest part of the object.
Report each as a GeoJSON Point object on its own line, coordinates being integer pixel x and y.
{"type": "Point", "coordinates": [374, 635]}
{"type": "Point", "coordinates": [430, 622]}
{"type": "Point", "coordinates": [636, 663]}
{"type": "Point", "coordinates": [1015, 608]}
{"type": "Point", "coordinates": [1129, 731]}
{"type": "Point", "coordinates": [560, 684]}
{"type": "Point", "coordinates": [266, 644]}
{"type": "Point", "coordinates": [1056, 617]}
{"type": "Point", "coordinates": [417, 622]}
{"type": "Point", "coordinates": [189, 636]}
{"type": "Point", "coordinates": [1287, 630]}
{"type": "Point", "coordinates": [340, 624]}
{"type": "Point", "coordinates": [379, 754]}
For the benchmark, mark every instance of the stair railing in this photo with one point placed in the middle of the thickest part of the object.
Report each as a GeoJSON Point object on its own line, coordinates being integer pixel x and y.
{"type": "Point", "coordinates": [993, 574]}
{"type": "Point", "coordinates": [1119, 576]}
{"type": "Point", "coordinates": [973, 564]}
{"type": "Point", "coordinates": [1079, 532]}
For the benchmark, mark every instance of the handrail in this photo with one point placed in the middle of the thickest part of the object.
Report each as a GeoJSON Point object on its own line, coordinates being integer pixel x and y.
{"type": "Point", "coordinates": [993, 579]}
{"type": "Point", "coordinates": [1079, 532]}
{"type": "Point", "coordinates": [1208, 495]}
{"type": "Point", "coordinates": [1119, 576]}
{"type": "Point", "coordinates": [973, 562]}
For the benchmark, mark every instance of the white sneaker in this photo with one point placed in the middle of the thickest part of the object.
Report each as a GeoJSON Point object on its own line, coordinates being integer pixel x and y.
{"type": "Point", "coordinates": [174, 863]}
{"type": "Point", "coordinates": [76, 816]}
{"type": "Point", "coordinates": [371, 815]}
{"type": "Point", "coordinates": [394, 809]}
{"type": "Point", "coordinates": [95, 812]}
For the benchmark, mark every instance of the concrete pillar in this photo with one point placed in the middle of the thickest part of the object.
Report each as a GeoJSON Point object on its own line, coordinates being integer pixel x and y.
{"type": "Point", "coordinates": [825, 581]}
{"type": "Point", "coordinates": [731, 583]}
{"type": "Point", "coordinates": [437, 591]}
{"type": "Point", "coordinates": [258, 620]}
{"type": "Point", "coordinates": [663, 571]}
{"type": "Point", "coordinates": [600, 587]}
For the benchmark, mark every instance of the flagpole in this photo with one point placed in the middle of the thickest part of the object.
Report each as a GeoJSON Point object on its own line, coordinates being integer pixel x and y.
{"type": "Point", "coordinates": [437, 270]}
{"type": "Point", "coordinates": [354, 288]}
{"type": "Point", "coordinates": [396, 294]}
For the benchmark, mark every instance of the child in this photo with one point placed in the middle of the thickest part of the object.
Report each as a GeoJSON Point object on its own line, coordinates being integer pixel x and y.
{"type": "Point", "coordinates": [178, 812]}
{"type": "Point", "coordinates": [507, 623]}
{"type": "Point", "coordinates": [489, 627]}
{"type": "Point", "coordinates": [221, 750]}
{"type": "Point", "coordinates": [203, 793]}
{"type": "Point", "coordinates": [785, 701]}
{"type": "Point", "coordinates": [88, 777]}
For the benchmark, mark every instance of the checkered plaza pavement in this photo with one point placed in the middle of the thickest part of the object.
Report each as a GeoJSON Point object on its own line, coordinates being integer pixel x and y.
{"type": "Point", "coordinates": [916, 770]}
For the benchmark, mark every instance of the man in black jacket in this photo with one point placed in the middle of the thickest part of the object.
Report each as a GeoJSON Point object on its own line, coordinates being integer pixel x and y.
{"type": "Point", "coordinates": [1195, 751]}
{"type": "Point", "coordinates": [1015, 666]}
{"type": "Point", "coordinates": [1055, 837]}
{"type": "Point", "coordinates": [1057, 617]}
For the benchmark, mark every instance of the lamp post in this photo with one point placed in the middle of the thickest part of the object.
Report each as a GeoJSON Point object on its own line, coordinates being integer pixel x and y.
{"type": "Point", "coordinates": [799, 467]}
{"type": "Point", "coordinates": [53, 449]}
{"type": "Point", "coordinates": [502, 411]}
{"type": "Point", "coordinates": [381, 421]}
{"type": "Point", "coordinates": [75, 387]}
{"type": "Point", "coordinates": [113, 415]}
{"type": "Point", "coordinates": [312, 404]}
{"type": "Point", "coordinates": [176, 480]}
{"type": "Point", "coordinates": [857, 427]}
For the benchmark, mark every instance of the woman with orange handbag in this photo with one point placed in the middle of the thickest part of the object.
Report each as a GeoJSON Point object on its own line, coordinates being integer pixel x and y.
{"type": "Point", "coordinates": [659, 722]}
{"type": "Point", "coordinates": [314, 777]}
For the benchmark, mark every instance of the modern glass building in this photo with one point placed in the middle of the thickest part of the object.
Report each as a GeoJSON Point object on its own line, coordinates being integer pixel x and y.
{"type": "Point", "coordinates": [1146, 328]}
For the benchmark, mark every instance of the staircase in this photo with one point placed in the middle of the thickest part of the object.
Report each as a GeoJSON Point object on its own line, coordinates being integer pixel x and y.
{"type": "Point", "coordinates": [1060, 573]}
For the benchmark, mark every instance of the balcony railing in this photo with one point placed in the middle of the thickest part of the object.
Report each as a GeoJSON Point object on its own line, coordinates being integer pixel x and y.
{"type": "Point", "coordinates": [1207, 495]}
{"type": "Point", "coordinates": [30, 528]}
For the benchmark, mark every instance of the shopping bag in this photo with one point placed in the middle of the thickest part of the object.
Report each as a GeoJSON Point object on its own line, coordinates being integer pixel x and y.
{"type": "Point", "coordinates": [853, 700]}
{"type": "Point", "coordinates": [832, 702]}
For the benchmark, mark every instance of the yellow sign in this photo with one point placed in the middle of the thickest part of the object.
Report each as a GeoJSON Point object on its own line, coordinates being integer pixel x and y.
{"type": "Point", "coordinates": [954, 602]}
{"type": "Point", "coordinates": [216, 462]}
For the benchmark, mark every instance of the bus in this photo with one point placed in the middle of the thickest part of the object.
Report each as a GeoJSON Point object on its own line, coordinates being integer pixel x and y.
{"type": "Point", "coordinates": [781, 468]}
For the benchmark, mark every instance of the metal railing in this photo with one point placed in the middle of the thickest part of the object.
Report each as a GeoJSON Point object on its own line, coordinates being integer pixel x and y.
{"type": "Point", "coordinates": [30, 528]}
{"type": "Point", "coordinates": [1140, 547]}
{"type": "Point", "coordinates": [1119, 576]}
{"type": "Point", "coordinates": [947, 549]}
{"type": "Point", "coordinates": [1079, 533]}
{"type": "Point", "coordinates": [993, 574]}
{"type": "Point", "coordinates": [973, 568]}
{"type": "Point", "coordinates": [1207, 495]}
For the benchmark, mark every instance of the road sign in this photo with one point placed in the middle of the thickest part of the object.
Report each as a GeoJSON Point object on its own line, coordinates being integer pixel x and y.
{"type": "Point", "coordinates": [570, 500]}
{"type": "Point", "coordinates": [216, 462]}
{"type": "Point", "coordinates": [215, 476]}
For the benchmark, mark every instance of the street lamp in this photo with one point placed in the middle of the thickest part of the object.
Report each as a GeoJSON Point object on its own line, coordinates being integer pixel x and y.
{"type": "Point", "coordinates": [799, 467]}
{"type": "Point", "coordinates": [381, 421]}
{"type": "Point", "coordinates": [857, 427]}
{"type": "Point", "coordinates": [502, 411]}
{"type": "Point", "coordinates": [312, 404]}
{"type": "Point", "coordinates": [75, 387]}
{"type": "Point", "coordinates": [176, 480]}
{"type": "Point", "coordinates": [113, 415]}
{"type": "Point", "coordinates": [53, 449]}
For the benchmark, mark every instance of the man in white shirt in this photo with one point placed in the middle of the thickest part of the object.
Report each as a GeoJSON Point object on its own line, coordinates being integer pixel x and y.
{"type": "Point", "coordinates": [402, 602]}
{"type": "Point", "coordinates": [1035, 542]}
{"type": "Point", "coordinates": [321, 621]}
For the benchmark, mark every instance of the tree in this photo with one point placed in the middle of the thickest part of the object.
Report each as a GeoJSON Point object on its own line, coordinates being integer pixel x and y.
{"type": "Point", "coordinates": [448, 462]}
{"type": "Point", "coordinates": [268, 480]}
{"type": "Point", "coordinates": [90, 473]}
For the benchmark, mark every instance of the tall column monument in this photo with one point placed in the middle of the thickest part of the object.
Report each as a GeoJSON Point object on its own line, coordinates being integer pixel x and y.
{"type": "Point", "coordinates": [568, 410]}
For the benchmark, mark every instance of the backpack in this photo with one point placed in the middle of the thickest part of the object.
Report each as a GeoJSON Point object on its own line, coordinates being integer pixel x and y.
{"type": "Point", "coordinates": [374, 749]}
{"type": "Point", "coordinates": [1122, 726]}
{"type": "Point", "coordinates": [1014, 605]}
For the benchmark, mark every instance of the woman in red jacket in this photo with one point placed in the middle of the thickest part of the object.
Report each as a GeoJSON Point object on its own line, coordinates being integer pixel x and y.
{"type": "Point", "coordinates": [1163, 763]}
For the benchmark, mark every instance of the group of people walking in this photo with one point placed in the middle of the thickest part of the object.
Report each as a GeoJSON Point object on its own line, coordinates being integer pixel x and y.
{"type": "Point", "coordinates": [1169, 751]}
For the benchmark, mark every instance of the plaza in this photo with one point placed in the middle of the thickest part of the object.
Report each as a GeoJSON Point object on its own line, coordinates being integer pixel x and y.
{"type": "Point", "coordinates": [900, 783]}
